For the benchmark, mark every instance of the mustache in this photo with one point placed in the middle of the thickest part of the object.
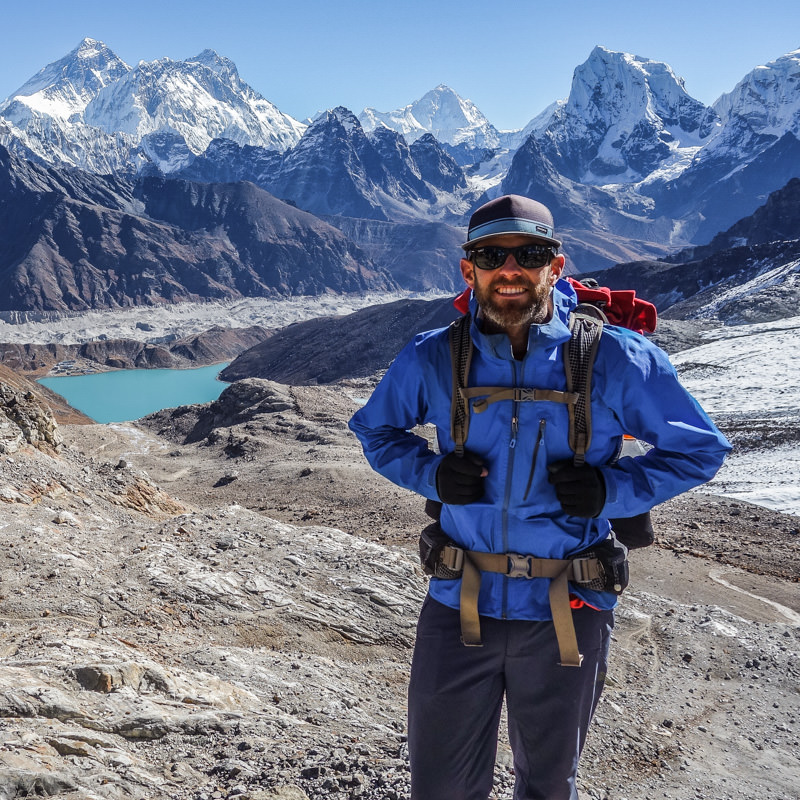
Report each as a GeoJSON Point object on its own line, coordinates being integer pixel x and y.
{"type": "Point", "coordinates": [503, 281]}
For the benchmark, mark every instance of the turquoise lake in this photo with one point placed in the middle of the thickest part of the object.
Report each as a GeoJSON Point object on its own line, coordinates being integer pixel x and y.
{"type": "Point", "coordinates": [124, 395]}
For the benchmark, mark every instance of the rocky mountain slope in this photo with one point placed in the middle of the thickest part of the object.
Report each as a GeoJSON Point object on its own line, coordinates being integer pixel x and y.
{"type": "Point", "coordinates": [72, 240]}
{"type": "Point", "coordinates": [751, 272]}
{"type": "Point", "coordinates": [328, 349]}
{"type": "Point", "coordinates": [221, 602]}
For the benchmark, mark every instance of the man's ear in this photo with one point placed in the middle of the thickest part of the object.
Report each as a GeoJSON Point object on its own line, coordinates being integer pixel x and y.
{"type": "Point", "coordinates": [468, 272]}
{"type": "Point", "coordinates": [556, 268]}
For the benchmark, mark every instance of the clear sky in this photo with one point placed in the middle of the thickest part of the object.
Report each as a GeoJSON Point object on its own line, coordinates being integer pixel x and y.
{"type": "Point", "coordinates": [510, 58]}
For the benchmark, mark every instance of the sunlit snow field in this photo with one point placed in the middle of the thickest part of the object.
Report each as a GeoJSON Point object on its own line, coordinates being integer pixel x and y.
{"type": "Point", "coordinates": [752, 372]}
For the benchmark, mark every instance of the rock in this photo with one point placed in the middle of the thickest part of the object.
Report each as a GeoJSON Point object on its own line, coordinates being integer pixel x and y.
{"type": "Point", "coordinates": [288, 792]}
{"type": "Point", "coordinates": [25, 419]}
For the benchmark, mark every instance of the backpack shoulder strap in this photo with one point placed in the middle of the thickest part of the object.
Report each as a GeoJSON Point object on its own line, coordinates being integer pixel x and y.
{"type": "Point", "coordinates": [460, 360]}
{"type": "Point", "coordinates": [579, 355]}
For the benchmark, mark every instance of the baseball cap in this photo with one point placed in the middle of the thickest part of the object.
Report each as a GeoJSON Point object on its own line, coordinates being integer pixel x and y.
{"type": "Point", "coordinates": [511, 213]}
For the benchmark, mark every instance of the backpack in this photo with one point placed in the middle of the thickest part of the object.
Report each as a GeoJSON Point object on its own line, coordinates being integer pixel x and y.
{"type": "Point", "coordinates": [596, 305]}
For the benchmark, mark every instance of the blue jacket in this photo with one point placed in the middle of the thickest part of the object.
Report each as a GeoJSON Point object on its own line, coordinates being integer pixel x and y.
{"type": "Point", "coordinates": [635, 390]}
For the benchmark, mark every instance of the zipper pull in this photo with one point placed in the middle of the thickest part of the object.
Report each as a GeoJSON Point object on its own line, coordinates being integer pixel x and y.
{"type": "Point", "coordinates": [539, 443]}
{"type": "Point", "coordinates": [514, 428]}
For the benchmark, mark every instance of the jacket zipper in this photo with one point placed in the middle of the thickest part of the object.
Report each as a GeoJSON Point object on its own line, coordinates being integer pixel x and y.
{"type": "Point", "coordinates": [509, 475]}
{"type": "Point", "coordinates": [539, 443]}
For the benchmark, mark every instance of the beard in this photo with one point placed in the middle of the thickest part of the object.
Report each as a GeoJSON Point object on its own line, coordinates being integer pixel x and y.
{"type": "Point", "coordinates": [532, 308]}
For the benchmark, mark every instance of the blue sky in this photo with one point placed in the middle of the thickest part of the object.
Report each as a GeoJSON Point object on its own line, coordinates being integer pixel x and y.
{"type": "Point", "coordinates": [510, 58]}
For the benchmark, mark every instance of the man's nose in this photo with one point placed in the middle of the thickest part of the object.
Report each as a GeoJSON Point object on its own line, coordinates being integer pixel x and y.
{"type": "Point", "coordinates": [510, 264]}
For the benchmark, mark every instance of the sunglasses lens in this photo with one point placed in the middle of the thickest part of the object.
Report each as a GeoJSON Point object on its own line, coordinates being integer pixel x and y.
{"type": "Point", "coordinates": [490, 257]}
{"type": "Point", "coordinates": [532, 256]}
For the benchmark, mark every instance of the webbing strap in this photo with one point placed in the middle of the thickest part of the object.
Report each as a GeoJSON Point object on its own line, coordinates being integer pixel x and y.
{"type": "Point", "coordinates": [493, 394]}
{"type": "Point", "coordinates": [518, 566]}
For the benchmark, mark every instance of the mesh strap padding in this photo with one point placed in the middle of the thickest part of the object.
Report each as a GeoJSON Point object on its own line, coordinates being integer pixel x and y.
{"type": "Point", "coordinates": [579, 355]}
{"type": "Point", "coordinates": [460, 359]}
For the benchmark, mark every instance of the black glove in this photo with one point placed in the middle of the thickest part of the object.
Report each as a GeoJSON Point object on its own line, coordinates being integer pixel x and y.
{"type": "Point", "coordinates": [459, 480]}
{"type": "Point", "coordinates": [580, 490]}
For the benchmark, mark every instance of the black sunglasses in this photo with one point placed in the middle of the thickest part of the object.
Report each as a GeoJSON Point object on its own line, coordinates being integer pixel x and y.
{"type": "Point", "coordinates": [528, 256]}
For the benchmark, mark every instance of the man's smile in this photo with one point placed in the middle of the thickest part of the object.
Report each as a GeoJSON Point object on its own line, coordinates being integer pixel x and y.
{"type": "Point", "coordinates": [511, 290]}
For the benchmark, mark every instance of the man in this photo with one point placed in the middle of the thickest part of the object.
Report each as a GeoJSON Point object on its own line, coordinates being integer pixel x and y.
{"type": "Point", "coordinates": [516, 490]}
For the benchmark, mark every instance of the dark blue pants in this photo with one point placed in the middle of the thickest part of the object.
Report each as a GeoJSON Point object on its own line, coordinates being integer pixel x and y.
{"type": "Point", "coordinates": [456, 694]}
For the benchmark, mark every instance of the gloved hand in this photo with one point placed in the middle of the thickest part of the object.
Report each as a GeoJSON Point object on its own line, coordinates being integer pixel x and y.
{"type": "Point", "coordinates": [459, 480]}
{"type": "Point", "coordinates": [580, 490]}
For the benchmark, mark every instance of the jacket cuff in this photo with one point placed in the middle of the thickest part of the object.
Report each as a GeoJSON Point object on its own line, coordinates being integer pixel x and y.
{"type": "Point", "coordinates": [612, 490]}
{"type": "Point", "coordinates": [430, 489]}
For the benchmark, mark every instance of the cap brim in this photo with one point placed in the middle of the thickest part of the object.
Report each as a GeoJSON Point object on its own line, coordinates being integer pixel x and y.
{"type": "Point", "coordinates": [473, 243]}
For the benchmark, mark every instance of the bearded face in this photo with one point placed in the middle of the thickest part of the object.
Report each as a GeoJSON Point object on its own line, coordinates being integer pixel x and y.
{"type": "Point", "coordinates": [513, 300]}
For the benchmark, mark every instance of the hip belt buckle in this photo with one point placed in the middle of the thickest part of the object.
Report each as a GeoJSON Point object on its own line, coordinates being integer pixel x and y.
{"type": "Point", "coordinates": [452, 558]}
{"type": "Point", "coordinates": [519, 566]}
{"type": "Point", "coordinates": [585, 570]}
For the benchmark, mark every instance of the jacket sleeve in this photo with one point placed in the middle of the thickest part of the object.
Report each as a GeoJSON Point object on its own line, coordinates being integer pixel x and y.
{"type": "Point", "coordinates": [643, 390]}
{"type": "Point", "coordinates": [383, 425]}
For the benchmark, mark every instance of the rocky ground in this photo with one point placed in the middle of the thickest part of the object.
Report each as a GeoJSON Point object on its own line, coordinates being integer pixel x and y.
{"type": "Point", "coordinates": [220, 602]}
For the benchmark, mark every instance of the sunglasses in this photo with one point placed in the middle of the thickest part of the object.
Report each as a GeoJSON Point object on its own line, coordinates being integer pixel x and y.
{"type": "Point", "coordinates": [528, 256]}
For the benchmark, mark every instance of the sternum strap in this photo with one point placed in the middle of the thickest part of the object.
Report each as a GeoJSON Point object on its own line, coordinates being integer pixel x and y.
{"type": "Point", "coordinates": [493, 394]}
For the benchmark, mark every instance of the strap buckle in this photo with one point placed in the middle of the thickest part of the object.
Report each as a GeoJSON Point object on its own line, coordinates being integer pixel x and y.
{"type": "Point", "coordinates": [519, 566]}
{"type": "Point", "coordinates": [585, 570]}
{"type": "Point", "coordinates": [452, 557]}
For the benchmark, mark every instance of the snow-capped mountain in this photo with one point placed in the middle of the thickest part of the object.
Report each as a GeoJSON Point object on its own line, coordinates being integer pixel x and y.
{"type": "Point", "coordinates": [201, 99]}
{"type": "Point", "coordinates": [450, 118]}
{"type": "Point", "coordinates": [91, 110]}
{"type": "Point", "coordinates": [64, 88]}
{"type": "Point", "coordinates": [43, 118]}
{"type": "Point", "coordinates": [755, 152]}
{"type": "Point", "coordinates": [625, 118]}
{"type": "Point", "coordinates": [767, 100]}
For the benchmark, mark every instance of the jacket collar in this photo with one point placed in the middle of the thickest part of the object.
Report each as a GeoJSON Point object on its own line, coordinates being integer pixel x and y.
{"type": "Point", "coordinates": [546, 336]}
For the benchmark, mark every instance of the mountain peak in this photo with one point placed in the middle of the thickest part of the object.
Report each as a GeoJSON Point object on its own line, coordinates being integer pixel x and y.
{"type": "Point", "coordinates": [625, 117]}
{"type": "Point", "coordinates": [440, 111]}
{"type": "Point", "coordinates": [89, 48]}
{"type": "Point", "coordinates": [767, 97]}
{"type": "Point", "coordinates": [216, 62]}
{"type": "Point", "coordinates": [64, 87]}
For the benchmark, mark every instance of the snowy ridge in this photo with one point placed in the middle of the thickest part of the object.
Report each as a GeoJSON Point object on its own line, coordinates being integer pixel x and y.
{"type": "Point", "coordinates": [91, 110]}
{"type": "Point", "coordinates": [200, 99]}
{"type": "Point", "coordinates": [625, 116]}
{"type": "Point", "coordinates": [768, 98]}
{"type": "Point", "coordinates": [763, 107]}
{"type": "Point", "coordinates": [450, 118]}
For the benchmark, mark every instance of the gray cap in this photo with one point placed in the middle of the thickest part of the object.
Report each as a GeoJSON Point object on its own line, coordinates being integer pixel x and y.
{"type": "Point", "coordinates": [511, 213]}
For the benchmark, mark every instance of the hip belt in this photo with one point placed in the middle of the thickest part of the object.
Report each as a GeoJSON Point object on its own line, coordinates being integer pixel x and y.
{"type": "Point", "coordinates": [586, 571]}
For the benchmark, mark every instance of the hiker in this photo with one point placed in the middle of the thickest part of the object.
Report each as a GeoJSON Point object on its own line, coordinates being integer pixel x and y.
{"type": "Point", "coordinates": [511, 612]}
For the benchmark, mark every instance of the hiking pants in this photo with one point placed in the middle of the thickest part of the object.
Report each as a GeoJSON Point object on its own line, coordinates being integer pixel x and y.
{"type": "Point", "coordinates": [456, 694]}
